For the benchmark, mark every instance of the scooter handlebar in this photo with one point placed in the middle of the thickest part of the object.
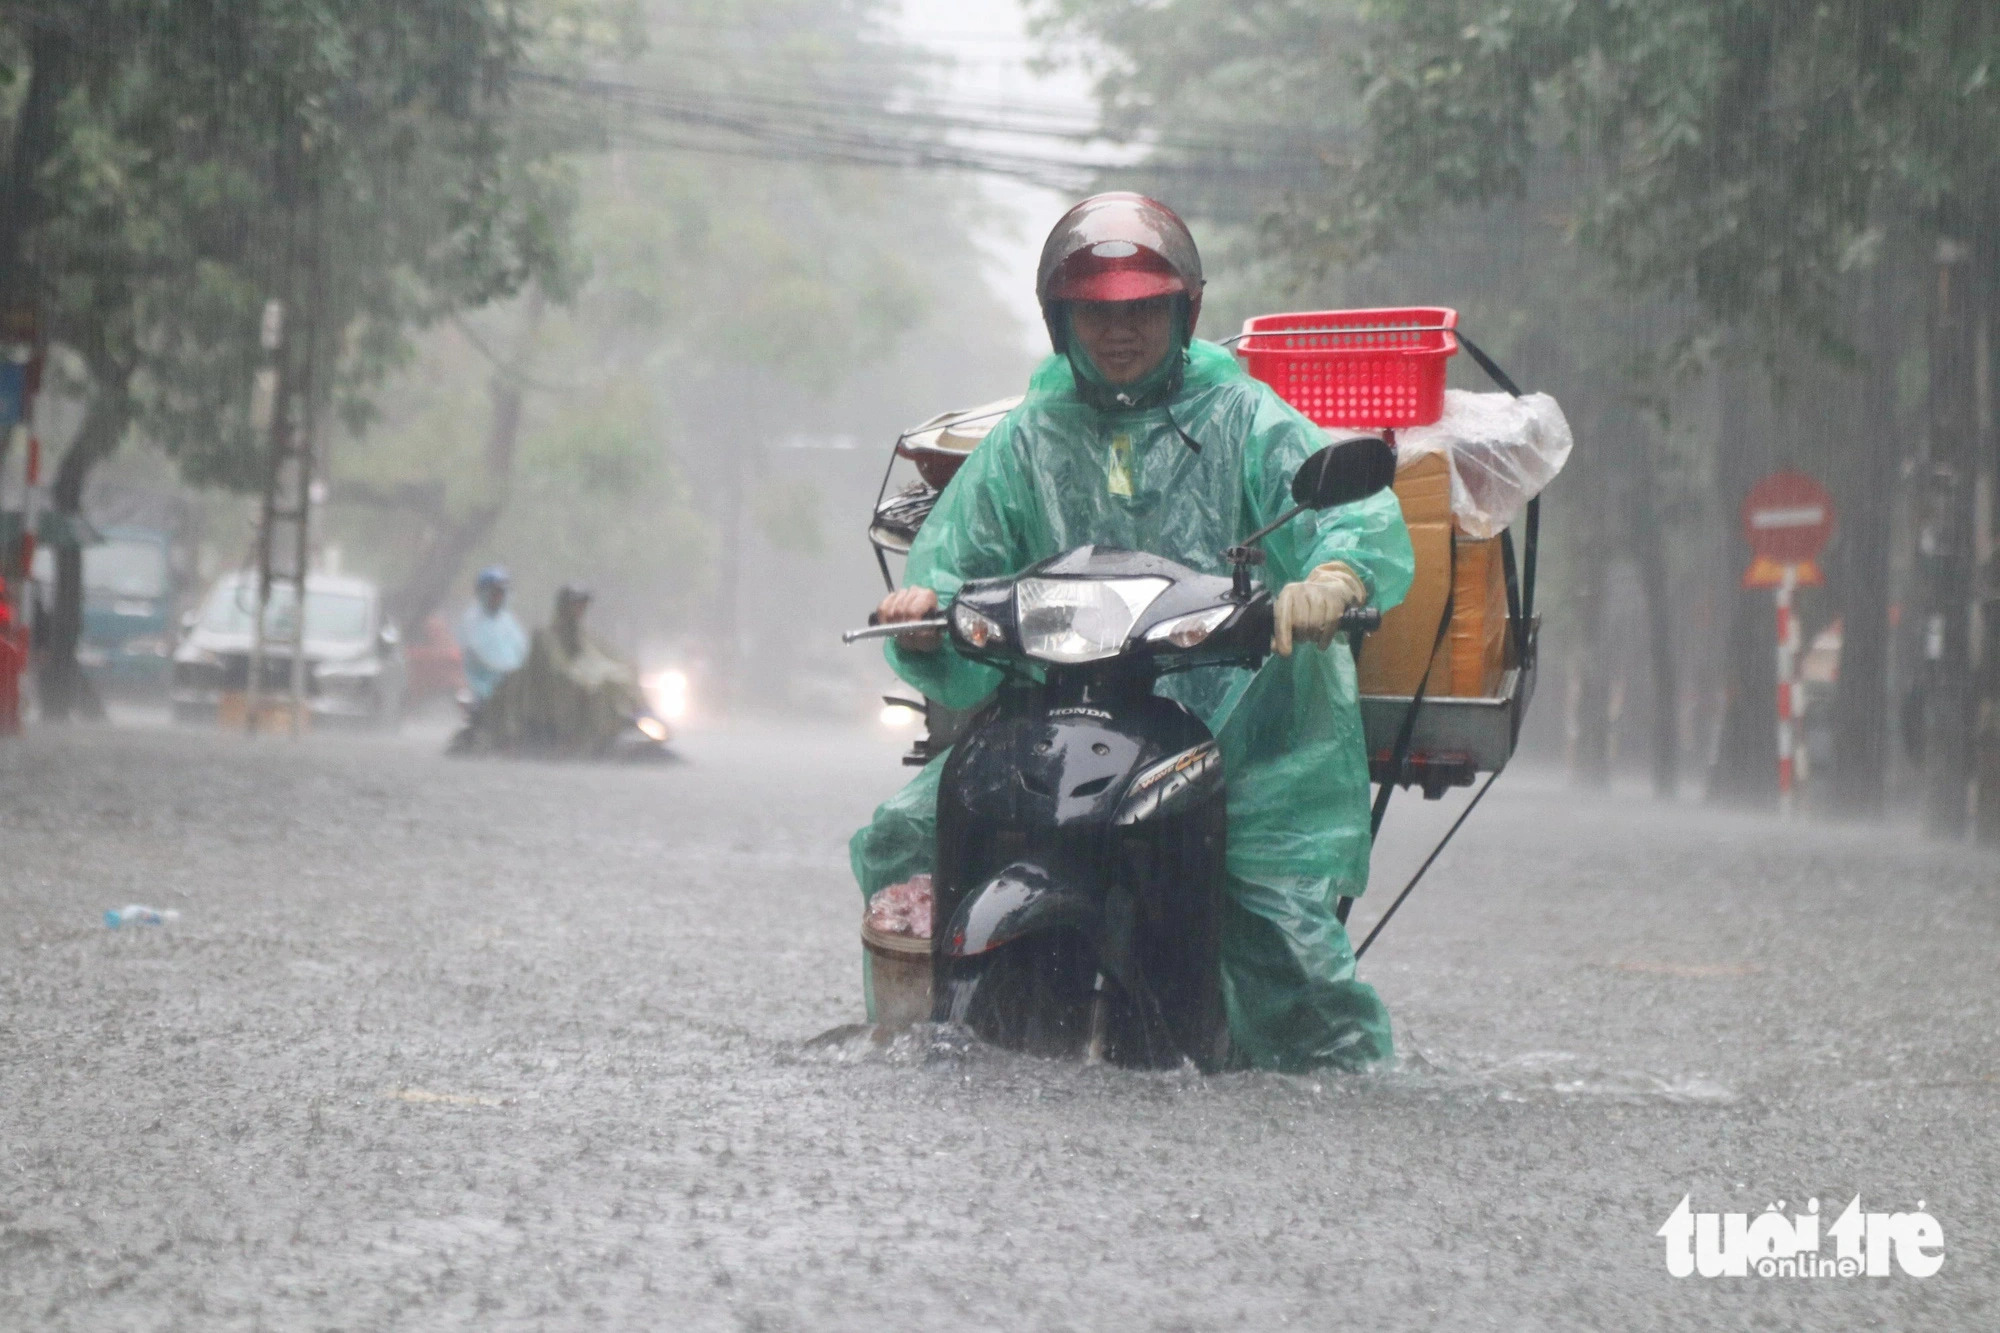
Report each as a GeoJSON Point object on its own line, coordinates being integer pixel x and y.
{"type": "Point", "coordinates": [877, 630]}
{"type": "Point", "coordinates": [1365, 619]}
{"type": "Point", "coordinates": [1359, 619]}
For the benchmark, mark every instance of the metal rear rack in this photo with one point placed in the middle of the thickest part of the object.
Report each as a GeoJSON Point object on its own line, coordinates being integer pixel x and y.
{"type": "Point", "coordinates": [1455, 738]}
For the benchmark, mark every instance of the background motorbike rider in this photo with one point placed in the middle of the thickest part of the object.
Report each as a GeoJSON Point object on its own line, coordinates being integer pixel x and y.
{"type": "Point", "coordinates": [1135, 435]}
{"type": "Point", "coordinates": [572, 695]}
{"type": "Point", "coordinates": [490, 640]}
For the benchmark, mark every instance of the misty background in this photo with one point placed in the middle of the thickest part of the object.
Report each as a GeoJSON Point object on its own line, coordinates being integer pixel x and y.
{"type": "Point", "coordinates": [638, 294]}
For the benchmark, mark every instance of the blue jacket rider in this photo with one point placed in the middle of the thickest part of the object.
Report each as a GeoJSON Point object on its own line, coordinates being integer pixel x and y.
{"type": "Point", "coordinates": [491, 641]}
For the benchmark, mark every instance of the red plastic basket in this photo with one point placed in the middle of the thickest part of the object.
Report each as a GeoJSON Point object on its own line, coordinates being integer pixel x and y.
{"type": "Point", "coordinates": [1367, 368]}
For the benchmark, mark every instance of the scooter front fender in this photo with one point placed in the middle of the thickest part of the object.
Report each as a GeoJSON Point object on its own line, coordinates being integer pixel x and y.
{"type": "Point", "coordinates": [1022, 899]}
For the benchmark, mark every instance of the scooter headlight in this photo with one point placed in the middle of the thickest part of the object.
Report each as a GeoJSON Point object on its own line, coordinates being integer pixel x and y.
{"type": "Point", "coordinates": [1190, 630]}
{"type": "Point", "coordinates": [1081, 620]}
{"type": "Point", "coordinates": [976, 628]}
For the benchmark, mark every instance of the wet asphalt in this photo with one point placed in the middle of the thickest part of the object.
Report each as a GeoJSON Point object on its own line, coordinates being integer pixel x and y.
{"type": "Point", "coordinates": [488, 1045]}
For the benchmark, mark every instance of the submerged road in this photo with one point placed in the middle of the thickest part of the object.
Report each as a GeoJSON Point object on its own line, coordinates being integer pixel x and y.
{"type": "Point", "coordinates": [442, 1045]}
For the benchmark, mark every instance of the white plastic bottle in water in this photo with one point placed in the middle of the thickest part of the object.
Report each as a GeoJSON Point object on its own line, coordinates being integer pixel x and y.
{"type": "Point", "coordinates": [137, 915]}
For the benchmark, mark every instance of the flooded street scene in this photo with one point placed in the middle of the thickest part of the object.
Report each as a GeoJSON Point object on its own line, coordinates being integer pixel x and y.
{"type": "Point", "coordinates": [1067, 665]}
{"type": "Point", "coordinates": [558, 1047]}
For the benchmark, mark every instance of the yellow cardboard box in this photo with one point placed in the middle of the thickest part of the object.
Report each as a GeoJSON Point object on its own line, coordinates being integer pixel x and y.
{"type": "Point", "coordinates": [1470, 659]}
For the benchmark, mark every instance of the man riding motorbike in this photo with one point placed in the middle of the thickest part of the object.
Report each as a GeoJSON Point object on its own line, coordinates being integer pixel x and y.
{"type": "Point", "coordinates": [1134, 434]}
{"type": "Point", "coordinates": [571, 696]}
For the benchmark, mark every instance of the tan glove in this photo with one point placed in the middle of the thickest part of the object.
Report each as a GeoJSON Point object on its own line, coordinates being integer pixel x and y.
{"type": "Point", "coordinates": [1310, 610]}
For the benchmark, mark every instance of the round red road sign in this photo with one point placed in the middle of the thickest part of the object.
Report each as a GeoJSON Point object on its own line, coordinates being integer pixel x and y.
{"type": "Point", "coordinates": [1787, 518]}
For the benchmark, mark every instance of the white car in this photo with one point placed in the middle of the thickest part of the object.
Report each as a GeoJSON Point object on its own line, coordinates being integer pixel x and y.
{"type": "Point", "coordinates": [354, 657]}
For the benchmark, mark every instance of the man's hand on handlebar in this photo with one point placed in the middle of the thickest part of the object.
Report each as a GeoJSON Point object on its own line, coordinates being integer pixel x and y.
{"type": "Point", "coordinates": [911, 604]}
{"type": "Point", "coordinates": [1310, 610]}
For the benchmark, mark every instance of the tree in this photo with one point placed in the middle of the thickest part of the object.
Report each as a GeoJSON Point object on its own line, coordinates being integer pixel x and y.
{"type": "Point", "coordinates": [1741, 164]}
{"type": "Point", "coordinates": [356, 161]}
{"type": "Point", "coordinates": [1758, 157]}
{"type": "Point", "coordinates": [1286, 75]}
{"type": "Point", "coordinates": [730, 303]}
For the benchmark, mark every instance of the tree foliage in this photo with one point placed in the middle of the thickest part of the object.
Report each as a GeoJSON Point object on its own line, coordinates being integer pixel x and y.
{"type": "Point", "coordinates": [359, 160]}
{"type": "Point", "coordinates": [175, 167]}
{"type": "Point", "coordinates": [1740, 152]}
{"type": "Point", "coordinates": [1627, 197]}
{"type": "Point", "coordinates": [729, 304]}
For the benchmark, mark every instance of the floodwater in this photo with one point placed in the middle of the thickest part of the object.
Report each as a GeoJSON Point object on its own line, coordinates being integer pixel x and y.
{"type": "Point", "coordinates": [440, 1045]}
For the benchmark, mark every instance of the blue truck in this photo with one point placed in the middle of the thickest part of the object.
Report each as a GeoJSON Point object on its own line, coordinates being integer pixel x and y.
{"type": "Point", "coordinates": [129, 598]}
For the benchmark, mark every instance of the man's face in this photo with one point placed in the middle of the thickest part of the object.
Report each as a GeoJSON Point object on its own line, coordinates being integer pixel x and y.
{"type": "Point", "coordinates": [1124, 339]}
{"type": "Point", "coordinates": [493, 596]}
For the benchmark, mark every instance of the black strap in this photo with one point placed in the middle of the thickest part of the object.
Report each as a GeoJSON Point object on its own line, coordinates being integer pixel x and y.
{"type": "Point", "coordinates": [1516, 626]}
{"type": "Point", "coordinates": [1190, 441]}
{"type": "Point", "coordinates": [1534, 538]}
{"type": "Point", "coordinates": [1436, 851]}
{"type": "Point", "coordinates": [1521, 587]}
{"type": "Point", "coordinates": [1406, 733]}
{"type": "Point", "coordinates": [1487, 364]}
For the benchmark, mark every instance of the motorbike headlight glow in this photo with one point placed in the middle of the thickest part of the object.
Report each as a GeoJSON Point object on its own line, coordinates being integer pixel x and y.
{"type": "Point", "coordinates": [1189, 630]}
{"type": "Point", "coordinates": [667, 692]}
{"type": "Point", "coordinates": [1081, 620]}
{"type": "Point", "coordinates": [975, 627]}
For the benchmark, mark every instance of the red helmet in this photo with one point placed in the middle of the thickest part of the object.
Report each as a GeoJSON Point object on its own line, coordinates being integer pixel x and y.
{"type": "Point", "coordinates": [1117, 247]}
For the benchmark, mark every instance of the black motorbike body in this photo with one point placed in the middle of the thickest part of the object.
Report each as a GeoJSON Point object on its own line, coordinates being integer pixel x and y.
{"type": "Point", "coordinates": [1082, 833]}
{"type": "Point", "coordinates": [1038, 891]}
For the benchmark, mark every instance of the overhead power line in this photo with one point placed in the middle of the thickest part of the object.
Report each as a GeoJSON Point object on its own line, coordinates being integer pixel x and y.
{"type": "Point", "coordinates": [1062, 147]}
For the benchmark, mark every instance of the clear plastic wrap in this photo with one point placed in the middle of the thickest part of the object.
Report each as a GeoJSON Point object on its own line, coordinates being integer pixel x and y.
{"type": "Point", "coordinates": [1501, 451]}
{"type": "Point", "coordinates": [902, 909]}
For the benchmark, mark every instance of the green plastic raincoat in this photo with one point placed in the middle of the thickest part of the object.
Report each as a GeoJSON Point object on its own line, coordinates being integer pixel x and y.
{"type": "Point", "coordinates": [1057, 473]}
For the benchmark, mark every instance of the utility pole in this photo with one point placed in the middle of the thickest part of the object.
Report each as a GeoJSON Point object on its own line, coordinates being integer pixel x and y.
{"type": "Point", "coordinates": [275, 385]}
{"type": "Point", "coordinates": [306, 439]}
{"type": "Point", "coordinates": [291, 338]}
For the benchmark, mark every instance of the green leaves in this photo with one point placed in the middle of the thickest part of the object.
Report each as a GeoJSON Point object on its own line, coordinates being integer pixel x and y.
{"type": "Point", "coordinates": [1737, 151]}
{"type": "Point", "coordinates": [361, 161]}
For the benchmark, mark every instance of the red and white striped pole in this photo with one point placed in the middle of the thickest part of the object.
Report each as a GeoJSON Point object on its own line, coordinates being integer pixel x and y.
{"type": "Point", "coordinates": [1788, 652]}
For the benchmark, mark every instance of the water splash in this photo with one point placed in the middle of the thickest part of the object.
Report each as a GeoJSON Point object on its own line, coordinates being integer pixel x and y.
{"type": "Point", "coordinates": [1554, 1077]}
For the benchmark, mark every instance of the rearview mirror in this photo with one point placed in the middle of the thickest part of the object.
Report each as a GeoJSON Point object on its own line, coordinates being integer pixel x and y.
{"type": "Point", "coordinates": [1343, 473]}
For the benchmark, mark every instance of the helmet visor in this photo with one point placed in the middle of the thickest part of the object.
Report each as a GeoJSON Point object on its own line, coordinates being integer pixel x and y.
{"type": "Point", "coordinates": [1126, 245]}
{"type": "Point", "coordinates": [1092, 276]}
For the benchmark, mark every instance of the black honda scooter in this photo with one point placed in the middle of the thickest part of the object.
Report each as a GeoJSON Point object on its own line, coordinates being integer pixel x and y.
{"type": "Point", "coordinates": [1081, 817]}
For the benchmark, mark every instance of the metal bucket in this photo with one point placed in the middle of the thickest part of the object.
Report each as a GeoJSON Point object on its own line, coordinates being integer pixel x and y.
{"type": "Point", "coordinates": [899, 978]}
